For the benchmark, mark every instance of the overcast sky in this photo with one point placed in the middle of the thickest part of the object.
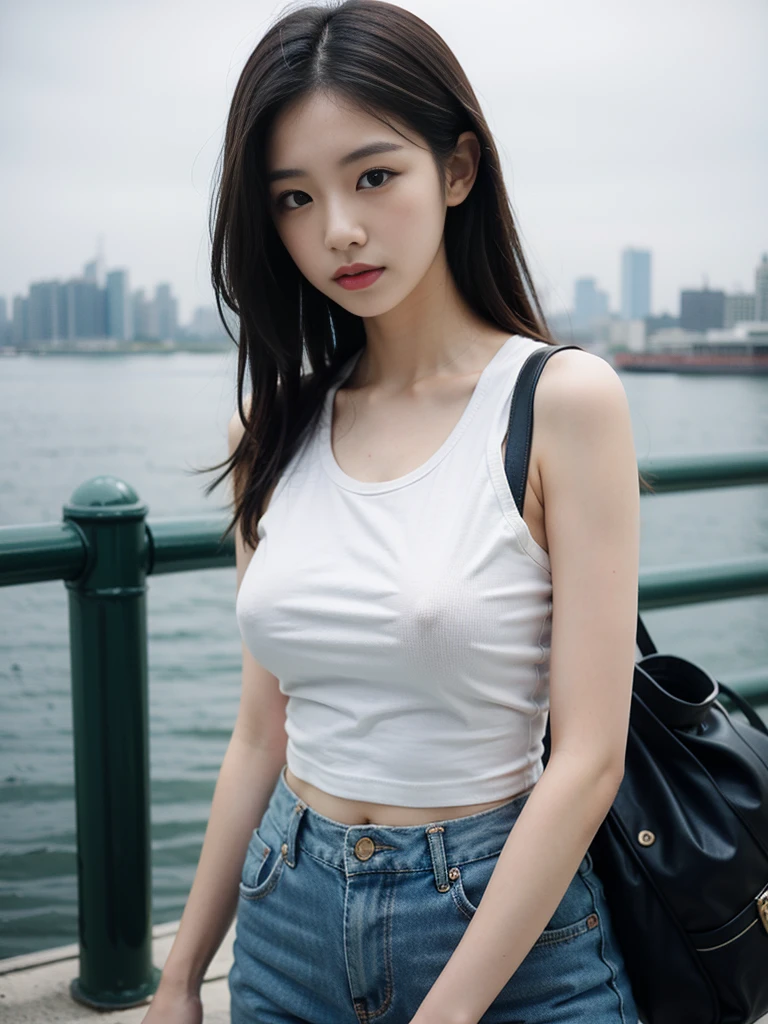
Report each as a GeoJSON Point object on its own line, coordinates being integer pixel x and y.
{"type": "Point", "coordinates": [619, 123]}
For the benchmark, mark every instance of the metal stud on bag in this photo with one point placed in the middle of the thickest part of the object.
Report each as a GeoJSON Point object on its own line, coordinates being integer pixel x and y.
{"type": "Point", "coordinates": [762, 907]}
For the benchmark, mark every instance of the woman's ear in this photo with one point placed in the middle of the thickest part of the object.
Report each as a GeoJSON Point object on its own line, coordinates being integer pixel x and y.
{"type": "Point", "coordinates": [461, 169]}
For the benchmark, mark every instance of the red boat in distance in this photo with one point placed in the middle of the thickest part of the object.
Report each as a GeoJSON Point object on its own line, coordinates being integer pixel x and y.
{"type": "Point", "coordinates": [716, 359]}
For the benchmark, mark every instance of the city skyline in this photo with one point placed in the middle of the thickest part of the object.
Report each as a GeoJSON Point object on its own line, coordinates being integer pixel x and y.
{"type": "Point", "coordinates": [74, 307]}
{"type": "Point", "coordinates": [616, 126]}
{"type": "Point", "coordinates": [100, 304]}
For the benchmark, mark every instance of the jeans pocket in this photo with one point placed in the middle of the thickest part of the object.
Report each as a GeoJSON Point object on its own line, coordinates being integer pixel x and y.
{"type": "Point", "coordinates": [468, 883]}
{"type": "Point", "coordinates": [575, 914]}
{"type": "Point", "coordinates": [262, 868]}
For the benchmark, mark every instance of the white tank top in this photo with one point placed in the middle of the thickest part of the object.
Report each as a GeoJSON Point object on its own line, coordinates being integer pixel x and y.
{"type": "Point", "coordinates": [408, 621]}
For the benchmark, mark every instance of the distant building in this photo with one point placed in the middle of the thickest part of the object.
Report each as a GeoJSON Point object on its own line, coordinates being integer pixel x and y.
{"type": "Point", "coordinates": [738, 308]}
{"type": "Point", "coordinates": [635, 284]}
{"type": "Point", "coordinates": [206, 323]}
{"type": "Point", "coordinates": [44, 311]}
{"type": "Point", "coordinates": [5, 324]}
{"type": "Point", "coordinates": [19, 324]}
{"type": "Point", "coordinates": [659, 323]}
{"type": "Point", "coordinates": [204, 330]}
{"type": "Point", "coordinates": [143, 316]}
{"type": "Point", "coordinates": [119, 308]}
{"type": "Point", "coordinates": [674, 337]}
{"type": "Point", "coordinates": [700, 310]}
{"type": "Point", "coordinates": [589, 304]}
{"type": "Point", "coordinates": [761, 289]}
{"type": "Point", "coordinates": [166, 312]}
{"type": "Point", "coordinates": [627, 334]}
{"type": "Point", "coordinates": [86, 309]}
{"type": "Point", "coordinates": [742, 336]}
{"type": "Point", "coordinates": [744, 333]}
{"type": "Point", "coordinates": [93, 272]}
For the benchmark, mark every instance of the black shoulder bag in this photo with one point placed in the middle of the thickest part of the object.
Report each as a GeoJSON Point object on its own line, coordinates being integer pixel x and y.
{"type": "Point", "coordinates": [683, 851]}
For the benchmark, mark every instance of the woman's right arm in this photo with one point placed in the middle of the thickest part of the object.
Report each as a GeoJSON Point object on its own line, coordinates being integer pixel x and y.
{"type": "Point", "coordinates": [249, 771]}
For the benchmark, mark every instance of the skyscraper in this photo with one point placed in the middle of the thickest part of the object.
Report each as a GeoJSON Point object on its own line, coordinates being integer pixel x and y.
{"type": "Point", "coordinates": [761, 289]}
{"type": "Point", "coordinates": [86, 309]}
{"type": "Point", "coordinates": [737, 308]}
{"type": "Point", "coordinates": [19, 332]}
{"type": "Point", "coordinates": [5, 325]}
{"type": "Point", "coordinates": [635, 284]}
{"type": "Point", "coordinates": [142, 310]}
{"type": "Point", "coordinates": [589, 303]}
{"type": "Point", "coordinates": [43, 311]}
{"type": "Point", "coordinates": [94, 271]}
{"type": "Point", "coordinates": [700, 310]}
{"type": "Point", "coordinates": [119, 307]}
{"type": "Point", "coordinates": [166, 311]}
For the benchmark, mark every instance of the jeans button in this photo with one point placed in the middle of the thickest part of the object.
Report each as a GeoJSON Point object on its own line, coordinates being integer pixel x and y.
{"type": "Point", "coordinates": [364, 848]}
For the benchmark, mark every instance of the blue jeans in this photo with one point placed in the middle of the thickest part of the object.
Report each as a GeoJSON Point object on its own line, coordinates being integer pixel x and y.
{"type": "Point", "coordinates": [351, 924]}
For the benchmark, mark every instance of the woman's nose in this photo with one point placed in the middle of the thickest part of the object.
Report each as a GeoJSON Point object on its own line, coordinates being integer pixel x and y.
{"type": "Point", "coordinates": [342, 228]}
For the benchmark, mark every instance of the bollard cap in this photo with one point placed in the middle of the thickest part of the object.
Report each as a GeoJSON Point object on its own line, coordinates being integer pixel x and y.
{"type": "Point", "coordinates": [104, 497]}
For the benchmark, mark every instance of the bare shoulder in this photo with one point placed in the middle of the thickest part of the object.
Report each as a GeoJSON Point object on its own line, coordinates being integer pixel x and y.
{"type": "Point", "coordinates": [578, 389]}
{"type": "Point", "coordinates": [584, 438]}
{"type": "Point", "coordinates": [582, 418]}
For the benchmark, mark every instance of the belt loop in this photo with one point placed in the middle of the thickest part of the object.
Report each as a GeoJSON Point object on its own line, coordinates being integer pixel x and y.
{"type": "Point", "coordinates": [434, 835]}
{"type": "Point", "coordinates": [288, 848]}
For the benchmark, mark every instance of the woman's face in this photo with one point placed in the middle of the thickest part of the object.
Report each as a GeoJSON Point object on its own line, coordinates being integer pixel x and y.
{"type": "Point", "coordinates": [333, 207]}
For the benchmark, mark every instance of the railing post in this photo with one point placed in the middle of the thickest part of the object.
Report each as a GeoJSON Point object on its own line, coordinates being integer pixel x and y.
{"type": "Point", "coordinates": [108, 652]}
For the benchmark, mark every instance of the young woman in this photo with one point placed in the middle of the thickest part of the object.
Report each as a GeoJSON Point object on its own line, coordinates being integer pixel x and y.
{"type": "Point", "coordinates": [382, 826]}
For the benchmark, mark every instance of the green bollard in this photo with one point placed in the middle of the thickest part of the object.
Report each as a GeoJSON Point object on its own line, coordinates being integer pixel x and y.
{"type": "Point", "coordinates": [108, 651]}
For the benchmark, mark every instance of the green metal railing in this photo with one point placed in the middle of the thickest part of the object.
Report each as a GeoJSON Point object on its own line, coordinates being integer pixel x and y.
{"type": "Point", "coordinates": [103, 550]}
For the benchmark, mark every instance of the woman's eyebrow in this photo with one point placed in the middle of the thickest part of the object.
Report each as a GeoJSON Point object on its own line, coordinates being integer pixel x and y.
{"type": "Point", "coordinates": [357, 154]}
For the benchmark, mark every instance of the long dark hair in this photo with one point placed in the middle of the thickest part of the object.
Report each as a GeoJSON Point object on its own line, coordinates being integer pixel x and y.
{"type": "Point", "coordinates": [293, 339]}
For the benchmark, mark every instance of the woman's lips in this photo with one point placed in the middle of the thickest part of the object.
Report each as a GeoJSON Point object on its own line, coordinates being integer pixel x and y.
{"type": "Point", "coordinates": [352, 282]}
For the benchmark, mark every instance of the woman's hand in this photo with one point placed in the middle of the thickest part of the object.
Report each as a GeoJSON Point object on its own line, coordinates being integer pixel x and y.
{"type": "Point", "coordinates": [172, 1004]}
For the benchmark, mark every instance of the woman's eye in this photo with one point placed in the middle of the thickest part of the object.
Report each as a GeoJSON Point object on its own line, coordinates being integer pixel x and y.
{"type": "Point", "coordinates": [286, 195]}
{"type": "Point", "coordinates": [379, 170]}
{"type": "Point", "coordinates": [282, 200]}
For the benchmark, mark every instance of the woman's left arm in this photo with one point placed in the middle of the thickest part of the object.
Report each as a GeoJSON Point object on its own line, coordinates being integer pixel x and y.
{"type": "Point", "coordinates": [589, 480]}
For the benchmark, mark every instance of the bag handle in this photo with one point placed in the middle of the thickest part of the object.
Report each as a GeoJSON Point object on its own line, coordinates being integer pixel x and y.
{"type": "Point", "coordinates": [518, 453]}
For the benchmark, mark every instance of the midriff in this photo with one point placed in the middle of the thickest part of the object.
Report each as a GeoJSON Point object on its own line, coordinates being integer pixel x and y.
{"type": "Point", "coordinates": [357, 812]}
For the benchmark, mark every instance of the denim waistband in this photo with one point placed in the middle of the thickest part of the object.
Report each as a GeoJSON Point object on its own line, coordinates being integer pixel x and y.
{"type": "Point", "coordinates": [357, 849]}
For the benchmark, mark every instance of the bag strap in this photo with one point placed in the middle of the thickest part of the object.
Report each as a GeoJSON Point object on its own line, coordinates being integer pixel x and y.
{"type": "Point", "coordinates": [518, 453]}
{"type": "Point", "coordinates": [746, 708]}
